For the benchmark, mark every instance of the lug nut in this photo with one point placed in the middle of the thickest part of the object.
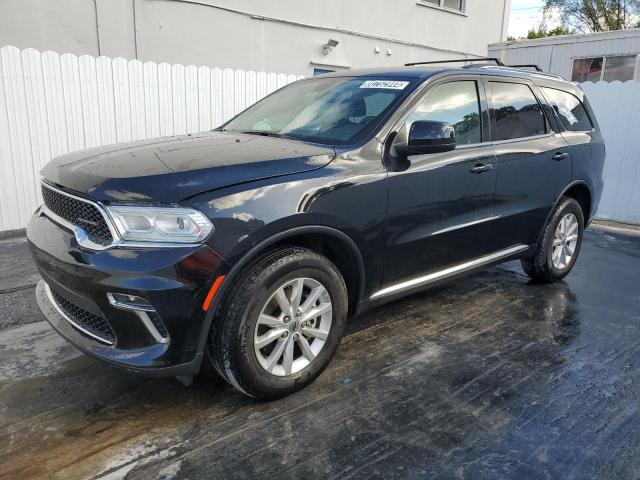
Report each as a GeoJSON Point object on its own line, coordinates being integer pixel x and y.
{"type": "Point", "coordinates": [299, 313]}
{"type": "Point", "coordinates": [285, 334]}
{"type": "Point", "coordinates": [286, 319]}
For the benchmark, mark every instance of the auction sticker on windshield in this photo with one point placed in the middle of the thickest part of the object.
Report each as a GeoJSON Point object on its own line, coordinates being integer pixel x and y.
{"type": "Point", "coordinates": [388, 84]}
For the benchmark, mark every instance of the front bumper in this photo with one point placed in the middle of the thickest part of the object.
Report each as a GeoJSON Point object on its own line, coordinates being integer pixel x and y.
{"type": "Point", "coordinates": [173, 280]}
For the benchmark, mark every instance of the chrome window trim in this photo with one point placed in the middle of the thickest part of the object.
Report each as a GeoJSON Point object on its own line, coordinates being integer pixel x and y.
{"type": "Point", "coordinates": [81, 235]}
{"type": "Point", "coordinates": [68, 319]}
{"type": "Point", "coordinates": [448, 272]}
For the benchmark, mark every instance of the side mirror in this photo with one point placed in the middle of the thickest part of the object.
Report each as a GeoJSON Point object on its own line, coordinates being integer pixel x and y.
{"type": "Point", "coordinates": [426, 136]}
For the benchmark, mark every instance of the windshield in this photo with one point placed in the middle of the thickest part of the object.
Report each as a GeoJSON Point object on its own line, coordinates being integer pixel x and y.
{"type": "Point", "coordinates": [334, 110]}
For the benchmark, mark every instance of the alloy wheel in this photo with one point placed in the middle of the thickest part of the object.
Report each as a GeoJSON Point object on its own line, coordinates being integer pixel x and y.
{"type": "Point", "coordinates": [293, 326]}
{"type": "Point", "coordinates": [565, 241]}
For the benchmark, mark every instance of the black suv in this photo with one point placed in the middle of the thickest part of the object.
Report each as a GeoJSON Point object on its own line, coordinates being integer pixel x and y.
{"type": "Point", "coordinates": [249, 246]}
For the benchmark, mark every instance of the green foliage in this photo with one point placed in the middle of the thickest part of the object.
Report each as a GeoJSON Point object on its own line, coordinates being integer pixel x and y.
{"type": "Point", "coordinates": [541, 31]}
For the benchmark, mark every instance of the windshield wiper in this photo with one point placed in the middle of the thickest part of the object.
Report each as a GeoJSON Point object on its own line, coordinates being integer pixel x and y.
{"type": "Point", "coordinates": [264, 133]}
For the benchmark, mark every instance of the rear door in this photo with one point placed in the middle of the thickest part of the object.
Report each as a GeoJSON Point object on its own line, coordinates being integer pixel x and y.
{"type": "Point", "coordinates": [533, 160]}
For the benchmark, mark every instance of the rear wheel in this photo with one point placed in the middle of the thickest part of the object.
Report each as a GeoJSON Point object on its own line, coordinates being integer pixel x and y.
{"type": "Point", "coordinates": [560, 244]}
{"type": "Point", "coordinates": [281, 324]}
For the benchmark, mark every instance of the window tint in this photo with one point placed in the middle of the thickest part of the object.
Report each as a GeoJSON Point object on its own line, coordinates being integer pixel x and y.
{"type": "Point", "coordinates": [455, 103]}
{"type": "Point", "coordinates": [570, 110]}
{"type": "Point", "coordinates": [516, 112]}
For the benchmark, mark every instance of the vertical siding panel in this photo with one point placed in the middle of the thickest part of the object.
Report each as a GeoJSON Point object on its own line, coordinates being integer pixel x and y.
{"type": "Point", "coordinates": [228, 94]}
{"type": "Point", "coordinates": [205, 120]}
{"type": "Point", "coordinates": [9, 216]}
{"type": "Point", "coordinates": [122, 106]}
{"type": "Point", "coordinates": [106, 101]}
{"type": "Point", "coordinates": [136, 99]}
{"type": "Point", "coordinates": [261, 85]}
{"type": "Point", "coordinates": [272, 82]}
{"type": "Point", "coordinates": [191, 99]}
{"type": "Point", "coordinates": [72, 102]}
{"type": "Point", "coordinates": [217, 104]}
{"type": "Point", "coordinates": [19, 134]}
{"type": "Point", "coordinates": [251, 88]}
{"type": "Point", "coordinates": [165, 99]}
{"type": "Point", "coordinates": [37, 120]}
{"type": "Point", "coordinates": [151, 99]}
{"type": "Point", "coordinates": [89, 101]}
{"type": "Point", "coordinates": [179, 100]}
{"type": "Point", "coordinates": [54, 97]}
{"type": "Point", "coordinates": [240, 92]}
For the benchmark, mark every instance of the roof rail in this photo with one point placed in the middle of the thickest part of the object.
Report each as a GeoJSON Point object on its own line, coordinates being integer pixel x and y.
{"type": "Point", "coordinates": [534, 66]}
{"type": "Point", "coordinates": [458, 60]}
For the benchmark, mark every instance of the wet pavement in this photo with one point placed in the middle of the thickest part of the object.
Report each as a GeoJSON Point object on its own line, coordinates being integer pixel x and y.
{"type": "Point", "coordinates": [490, 377]}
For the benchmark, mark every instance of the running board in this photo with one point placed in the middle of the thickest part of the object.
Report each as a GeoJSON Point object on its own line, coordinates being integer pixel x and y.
{"type": "Point", "coordinates": [448, 272]}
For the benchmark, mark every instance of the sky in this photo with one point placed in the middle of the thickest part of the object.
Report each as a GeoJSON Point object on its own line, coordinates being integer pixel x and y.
{"type": "Point", "coordinates": [525, 15]}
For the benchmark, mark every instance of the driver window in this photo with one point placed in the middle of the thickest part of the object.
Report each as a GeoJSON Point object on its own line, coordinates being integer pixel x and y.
{"type": "Point", "coordinates": [456, 103]}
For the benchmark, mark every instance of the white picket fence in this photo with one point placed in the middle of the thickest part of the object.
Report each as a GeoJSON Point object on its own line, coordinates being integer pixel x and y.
{"type": "Point", "coordinates": [51, 104]}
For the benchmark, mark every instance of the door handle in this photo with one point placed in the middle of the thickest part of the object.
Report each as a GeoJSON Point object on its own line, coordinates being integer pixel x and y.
{"type": "Point", "coordinates": [560, 156]}
{"type": "Point", "coordinates": [481, 168]}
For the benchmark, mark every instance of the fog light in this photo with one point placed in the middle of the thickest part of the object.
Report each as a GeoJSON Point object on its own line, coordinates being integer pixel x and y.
{"type": "Point", "coordinates": [145, 312]}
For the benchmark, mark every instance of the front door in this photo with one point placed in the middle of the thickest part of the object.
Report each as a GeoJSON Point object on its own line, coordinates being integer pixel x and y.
{"type": "Point", "coordinates": [440, 205]}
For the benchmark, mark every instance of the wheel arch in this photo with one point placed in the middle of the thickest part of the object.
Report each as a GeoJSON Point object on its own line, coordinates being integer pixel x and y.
{"type": "Point", "coordinates": [581, 193]}
{"type": "Point", "coordinates": [579, 189]}
{"type": "Point", "coordinates": [327, 240]}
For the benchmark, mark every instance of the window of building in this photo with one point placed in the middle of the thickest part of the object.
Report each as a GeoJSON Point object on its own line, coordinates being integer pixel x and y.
{"type": "Point", "coordinates": [609, 68]}
{"type": "Point", "coordinates": [321, 71]}
{"type": "Point", "coordinates": [455, 103]}
{"type": "Point", "coordinates": [569, 109]}
{"type": "Point", "coordinates": [457, 5]}
{"type": "Point", "coordinates": [516, 112]}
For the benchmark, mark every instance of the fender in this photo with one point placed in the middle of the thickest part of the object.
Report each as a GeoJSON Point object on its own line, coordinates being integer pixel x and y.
{"type": "Point", "coordinates": [256, 251]}
{"type": "Point", "coordinates": [555, 204]}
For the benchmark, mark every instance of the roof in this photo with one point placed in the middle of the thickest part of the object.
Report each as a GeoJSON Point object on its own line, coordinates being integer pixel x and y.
{"type": "Point", "coordinates": [563, 39]}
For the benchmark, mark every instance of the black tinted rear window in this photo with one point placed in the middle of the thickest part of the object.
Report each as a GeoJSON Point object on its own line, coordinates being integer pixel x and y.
{"type": "Point", "coordinates": [516, 112]}
{"type": "Point", "coordinates": [569, 109]}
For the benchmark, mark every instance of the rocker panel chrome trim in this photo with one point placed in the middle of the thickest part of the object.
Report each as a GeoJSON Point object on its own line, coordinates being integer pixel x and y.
{"type": "Point", "coordinates": [448, 272]}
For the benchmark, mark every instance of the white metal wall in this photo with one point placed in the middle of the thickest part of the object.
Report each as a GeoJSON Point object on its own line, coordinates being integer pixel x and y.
{"type": "Point", "coordinates": [617, 107]}
{"type": "Point", "coordinates": [51, 104]}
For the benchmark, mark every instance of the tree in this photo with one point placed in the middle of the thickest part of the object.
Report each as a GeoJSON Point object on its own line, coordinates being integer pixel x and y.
{"type": "Point", "coordinates": [541, 31]}
{"type": "Point", "coordinates": [588, 16]}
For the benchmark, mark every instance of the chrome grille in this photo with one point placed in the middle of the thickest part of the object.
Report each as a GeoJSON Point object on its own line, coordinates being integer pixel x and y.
{"type": "Point", "coordinates": [78, 212]}
{"type": "Point", "coordinates": [87, 322]}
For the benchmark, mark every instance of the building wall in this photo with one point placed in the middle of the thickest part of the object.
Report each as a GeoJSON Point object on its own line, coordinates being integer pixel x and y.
{"type": "Point", "coordinates": [556, 54]}
{"type": "Point", "coordinates": [274, 35]}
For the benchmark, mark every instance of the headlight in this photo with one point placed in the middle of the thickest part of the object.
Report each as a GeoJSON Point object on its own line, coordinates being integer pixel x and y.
{"type": "Point", "coordinates": [160, 224]}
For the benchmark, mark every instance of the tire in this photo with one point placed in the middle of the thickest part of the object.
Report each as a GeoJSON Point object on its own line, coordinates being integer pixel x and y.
{"type": "Point", "coordinates": [237, 333]}
{"type": "Point", "coordinates": [542, 266]}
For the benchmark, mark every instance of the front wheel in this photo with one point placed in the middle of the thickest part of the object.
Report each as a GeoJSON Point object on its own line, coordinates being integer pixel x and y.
{"type": "Point", "coordinates": [281, 324]}
{"type": "Point", "coordinates": [560, 244]}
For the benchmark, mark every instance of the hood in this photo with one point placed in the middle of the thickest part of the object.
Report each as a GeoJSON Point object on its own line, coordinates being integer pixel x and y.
{"type": "Point", "coordinates": [174, 168]}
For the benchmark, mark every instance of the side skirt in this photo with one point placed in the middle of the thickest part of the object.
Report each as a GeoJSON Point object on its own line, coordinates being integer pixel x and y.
{"type": "Point", "coordinates": [412, 285]}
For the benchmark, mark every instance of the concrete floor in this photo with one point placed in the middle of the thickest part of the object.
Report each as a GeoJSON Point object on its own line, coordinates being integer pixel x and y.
{"type": "Point", "coordinates": [488, 378]}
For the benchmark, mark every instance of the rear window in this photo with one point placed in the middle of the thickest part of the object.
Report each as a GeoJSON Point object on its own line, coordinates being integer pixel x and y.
{"type": "Point", "coordinates": [516, 112]}
{"type": "Point", "coordinates": [569, 109]}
